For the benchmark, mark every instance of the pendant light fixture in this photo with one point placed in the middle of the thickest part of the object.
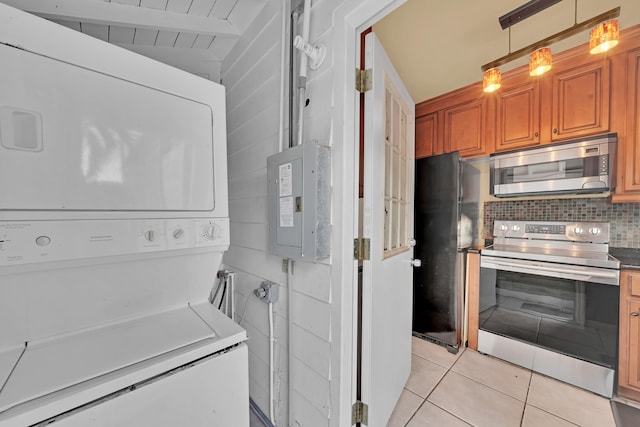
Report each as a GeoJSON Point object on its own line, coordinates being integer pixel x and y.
{"type": "Point", "coordinates": [604, 36]}
{"type": "Point", "coordinates": [540, 61]}
{"type": "Point", "coordinates": [492, 80]}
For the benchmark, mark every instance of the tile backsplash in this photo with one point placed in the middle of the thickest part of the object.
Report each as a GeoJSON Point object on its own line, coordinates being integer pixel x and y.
{"type": "Point", "coordinates": [623, 217]}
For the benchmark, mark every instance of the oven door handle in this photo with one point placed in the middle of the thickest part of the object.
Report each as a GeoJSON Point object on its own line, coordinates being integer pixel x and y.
{"type": "Point", "coordinates": [608, 277]}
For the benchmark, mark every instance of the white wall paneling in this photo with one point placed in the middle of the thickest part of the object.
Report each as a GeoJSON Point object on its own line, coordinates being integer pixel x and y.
{"type": "Point", "coordinates": [202, 26]}
{"type": "Point", "coordinates": [322, 294]}
{"type": "Point", "coordinates": [118, 34]}
{"type": "Point", "coordinates": [312, 387]}
{"type": "Point", "coordinates": [108, 13]}
{"type": "Point", "coordinates": [99, 31]}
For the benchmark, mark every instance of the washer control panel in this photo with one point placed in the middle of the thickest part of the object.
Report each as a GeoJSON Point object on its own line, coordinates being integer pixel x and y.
{"type": "Point", "coordinates": [26, 242]}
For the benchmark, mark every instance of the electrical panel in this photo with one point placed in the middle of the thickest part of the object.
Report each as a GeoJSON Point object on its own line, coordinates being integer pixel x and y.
{"type": "Point", "coordinates": [299, 192]}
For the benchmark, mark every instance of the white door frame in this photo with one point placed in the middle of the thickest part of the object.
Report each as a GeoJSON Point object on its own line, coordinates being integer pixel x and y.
{"type": "Point", "coordinates": [349, 19]}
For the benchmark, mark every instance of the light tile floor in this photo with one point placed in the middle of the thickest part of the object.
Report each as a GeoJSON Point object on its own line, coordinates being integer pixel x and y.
{"type": "Point", "coordinates": [471, 389]}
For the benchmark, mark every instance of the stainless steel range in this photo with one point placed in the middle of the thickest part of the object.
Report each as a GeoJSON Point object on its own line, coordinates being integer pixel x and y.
{"type": "Point", "coordinates": [549, 300]}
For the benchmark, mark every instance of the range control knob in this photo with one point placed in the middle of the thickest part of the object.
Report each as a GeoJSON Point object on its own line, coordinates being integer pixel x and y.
{"type": "Point", "coordinates": [594, 230]}
{"type": "Point", "coordinates": [504, 227]}
{"type": "Point", "coordinates": [150, 235]}
{"type": "Point", "coordinates": [515, 228]}
{"type": "Point", "coordinates": [178, 233]}
{"type": "Point", "coordinates": [578, 230]}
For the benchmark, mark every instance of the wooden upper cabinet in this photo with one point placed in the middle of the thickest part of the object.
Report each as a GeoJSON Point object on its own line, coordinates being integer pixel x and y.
{"type": "Point", "coordinates": [518, 112]}
{"type": "Point", "coordinates": [629, 146]}
{"type": "Point", "coordinates": [426, 135]}
{"type": "Point", "coordinates": [465, 126]}
{"type": "Point", "coordinates": [457, 121]}
{"type": "Point", "coordinates": [580, 99]}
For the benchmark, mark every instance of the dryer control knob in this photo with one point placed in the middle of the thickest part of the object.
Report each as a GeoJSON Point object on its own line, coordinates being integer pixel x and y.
{"type": "Point", "coordinates": [150, 236]}
{"type": "Point", "coordinates": [43, 240]}
{"type": "Point", "coordinates": [178, 233]}
{"type": "Point", "coordinates": [213, 232]}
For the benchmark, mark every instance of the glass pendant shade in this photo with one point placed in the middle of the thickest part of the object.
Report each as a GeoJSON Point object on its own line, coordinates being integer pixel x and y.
{"type": "Point", "coordinates": [492, 80]}
{"type": "Point", "coordinates": [604, 36]}
{"type": "Point", "coordinates": [540, 61]}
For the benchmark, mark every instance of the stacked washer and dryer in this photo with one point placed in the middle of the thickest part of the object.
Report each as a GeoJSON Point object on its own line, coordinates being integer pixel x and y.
{"type": "Point", "coordinates": [113, 223]}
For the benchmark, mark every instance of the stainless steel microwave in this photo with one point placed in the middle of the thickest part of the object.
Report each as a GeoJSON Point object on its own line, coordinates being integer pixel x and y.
{"type": "Point", "coordinates": [574, 167]}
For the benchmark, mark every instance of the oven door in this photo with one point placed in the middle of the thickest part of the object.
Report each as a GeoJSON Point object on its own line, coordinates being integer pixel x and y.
{"type": "Point", "coordinates": [567, 309]}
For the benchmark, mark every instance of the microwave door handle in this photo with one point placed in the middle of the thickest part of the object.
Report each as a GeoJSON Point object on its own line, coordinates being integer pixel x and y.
{"type": "Point", "coordinates": [567, 272]}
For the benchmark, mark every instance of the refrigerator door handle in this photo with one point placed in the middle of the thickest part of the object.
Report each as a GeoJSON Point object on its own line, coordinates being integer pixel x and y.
{"type": "Point", "coordinates": [416, 263]}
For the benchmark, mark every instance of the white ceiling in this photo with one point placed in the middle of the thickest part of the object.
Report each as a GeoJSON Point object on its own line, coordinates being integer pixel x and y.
{"type": "Point", "coordinates": [195, 35]}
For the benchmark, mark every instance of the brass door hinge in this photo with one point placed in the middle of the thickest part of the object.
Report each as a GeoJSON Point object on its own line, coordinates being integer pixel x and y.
{"type": "Point", "coordinates": [363, 80]}
{"type": "Point", "coordinates": [362, 249]}
{"type": "Point", "coordinates": [360, 413]}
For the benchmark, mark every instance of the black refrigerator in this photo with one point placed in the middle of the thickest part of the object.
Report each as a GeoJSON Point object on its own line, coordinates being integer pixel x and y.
{"type": "Point", "coordinates": [446, 223]}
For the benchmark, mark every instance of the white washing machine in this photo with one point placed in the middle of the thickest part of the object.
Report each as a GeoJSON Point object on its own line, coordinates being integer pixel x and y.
{"type": "Point", "coordinates": [113, 222]}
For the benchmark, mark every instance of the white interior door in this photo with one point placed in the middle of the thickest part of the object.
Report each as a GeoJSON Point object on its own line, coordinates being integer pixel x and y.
{"type": "Point", "coordinates": [388, 223]}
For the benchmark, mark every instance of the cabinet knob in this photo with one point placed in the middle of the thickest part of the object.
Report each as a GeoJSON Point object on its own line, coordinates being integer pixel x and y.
{"type": "Point", "coordinates": [634, 314]}
{"type": "Point", "coordinates": [555, 130]}
{"type": "Point", "coordinates": [536, 134]}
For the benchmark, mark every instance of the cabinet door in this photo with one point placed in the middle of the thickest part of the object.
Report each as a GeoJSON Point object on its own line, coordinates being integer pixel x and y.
{"type": "Point", "coordinates": [629, 362]}
{"type": "Point", "coordinates": [518, 113]}
{"type": "Point", "coordinates": [465, 126]}
{"type": "Point", "coordinates": [629, 175]}
{"type": "Point", "coordinates": [580, 100]}
{"type": "Point", "coordinates": [426, 135]}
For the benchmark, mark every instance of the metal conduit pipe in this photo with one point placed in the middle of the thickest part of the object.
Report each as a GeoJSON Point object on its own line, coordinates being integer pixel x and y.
{"type": "Point", "coordinates": [302, 76]}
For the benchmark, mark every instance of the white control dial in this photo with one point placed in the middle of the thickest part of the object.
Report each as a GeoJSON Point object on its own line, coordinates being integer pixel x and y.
{"type": "Point", "coordinates": [503, 227]}
{"type": "Point", "coordinates": [150, 235]}
{"type": "Point", "coordinates": [213, 232]}
{"type": "Point", "coordinates": [178, 233]}
{"type": "Point", "coordinates": [594, 230]}
{"type": "Point", "coordinates": [578, 230]}
{"type": "Point", "coordinates": [515, 228]}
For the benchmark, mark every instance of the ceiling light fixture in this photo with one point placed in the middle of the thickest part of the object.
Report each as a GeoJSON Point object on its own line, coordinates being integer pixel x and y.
{"type": "Point", "coordinates": [540, 61]}
{"type": "Point", "coordinates": [575, 29]}
{"type": "Point", "coordinates": [523, 12]}
{"type": "Point", "coordinates": [492, 80]}
{"type": "Point", "coordinates": [604, 36]}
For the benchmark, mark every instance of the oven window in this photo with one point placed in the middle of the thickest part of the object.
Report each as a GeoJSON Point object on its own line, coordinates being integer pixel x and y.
{"type": "Point", "coordinates": [576, 318]}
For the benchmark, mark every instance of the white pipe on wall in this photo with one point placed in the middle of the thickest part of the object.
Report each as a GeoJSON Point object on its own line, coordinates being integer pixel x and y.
{"type": "Point", "coordinates": [302, 77]}
{"type": "Point", "coordinates": [272, 343]}
{"type": "Point", "coordinates": [290, 334]}
{"type": "Point", "coordinates": [283, 73]}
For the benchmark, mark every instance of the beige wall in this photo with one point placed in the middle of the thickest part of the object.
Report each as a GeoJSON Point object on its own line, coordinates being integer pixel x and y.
{"type": "Point", "coordinates": [439, 46]}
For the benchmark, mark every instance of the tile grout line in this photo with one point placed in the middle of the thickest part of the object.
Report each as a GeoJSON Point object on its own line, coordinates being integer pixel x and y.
{"type": "Point", "coordinates": [434, 388]}
{"type": "Point", "coordinates": [526, 398]}
{"type": "Point", "coordinates": [450, 369]}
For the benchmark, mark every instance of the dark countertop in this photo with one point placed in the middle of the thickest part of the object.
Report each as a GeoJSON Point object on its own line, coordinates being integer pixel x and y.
{"type": "Point", "coordinates": [629, 257]}
{"type": "Point", "coordinates": [475, 249]}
